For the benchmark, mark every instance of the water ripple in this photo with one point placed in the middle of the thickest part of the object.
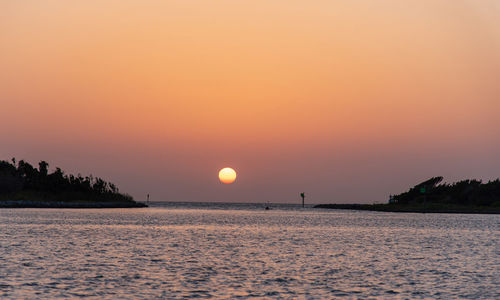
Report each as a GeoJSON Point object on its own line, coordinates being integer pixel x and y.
{"type": "Point", "coordinates": [179, 253]}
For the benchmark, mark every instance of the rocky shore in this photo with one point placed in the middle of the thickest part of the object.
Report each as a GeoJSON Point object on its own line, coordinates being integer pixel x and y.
{"type": "Point", "coordinates": [67, 204]}
{"type": "Point", "coordinates": [418, 208]}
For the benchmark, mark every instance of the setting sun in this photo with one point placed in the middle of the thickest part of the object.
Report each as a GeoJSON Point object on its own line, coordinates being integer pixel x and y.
{"type": "Point", "coordinates": [227, 175]}
{"type": "Point", "coordinates": [386, 110]}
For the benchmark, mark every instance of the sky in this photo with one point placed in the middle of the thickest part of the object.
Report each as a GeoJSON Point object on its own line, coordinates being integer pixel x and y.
{"type": "Point", "coordinates": [348, 101]}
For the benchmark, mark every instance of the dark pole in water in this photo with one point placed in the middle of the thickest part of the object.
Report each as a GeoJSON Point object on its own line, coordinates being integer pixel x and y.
{"type": "Point", "coordinates": [148, 200]}
{"type": "Point", "coordinates": [303, 195]}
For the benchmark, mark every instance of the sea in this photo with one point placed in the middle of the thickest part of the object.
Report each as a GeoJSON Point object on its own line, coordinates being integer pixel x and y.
{"type": "Point", "coordinates": [243, 251]}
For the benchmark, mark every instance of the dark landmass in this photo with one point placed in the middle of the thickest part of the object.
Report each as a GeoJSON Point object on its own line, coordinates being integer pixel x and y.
{"type": "Point", "coordinates": [22, 185]}
{"type": "Point", "coordinates": [466, 196]}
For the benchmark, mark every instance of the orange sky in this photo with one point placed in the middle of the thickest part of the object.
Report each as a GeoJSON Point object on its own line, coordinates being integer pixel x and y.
{"type": "Point", "coordinates": [349, 101]}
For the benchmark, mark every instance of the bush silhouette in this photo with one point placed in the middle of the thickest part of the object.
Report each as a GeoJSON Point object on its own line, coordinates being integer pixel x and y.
{"type": "Point", "coordinates": [22, 181]}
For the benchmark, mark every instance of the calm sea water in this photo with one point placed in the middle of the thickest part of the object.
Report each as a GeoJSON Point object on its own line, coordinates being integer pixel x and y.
{"type": "Point", "coordinates": [242, 251]}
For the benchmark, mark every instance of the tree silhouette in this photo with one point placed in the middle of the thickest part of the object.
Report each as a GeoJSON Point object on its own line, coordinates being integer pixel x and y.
{"type": "Point", "coordinates": [465, 192]}
{"type": "Point", "coordinates": [24, 182]}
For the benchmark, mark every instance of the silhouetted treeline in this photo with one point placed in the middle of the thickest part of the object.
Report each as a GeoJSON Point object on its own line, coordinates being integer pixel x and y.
{"type": "Point", "coordinates": [466, 192]}
{"type": "Point", "coordinates": [466, 196]}
{"type": "Point", "coordinates": [22, 181]}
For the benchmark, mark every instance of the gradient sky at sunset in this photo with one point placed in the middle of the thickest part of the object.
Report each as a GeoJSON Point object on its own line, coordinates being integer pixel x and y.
{"type": "Point", "coordinates": [348, 101]}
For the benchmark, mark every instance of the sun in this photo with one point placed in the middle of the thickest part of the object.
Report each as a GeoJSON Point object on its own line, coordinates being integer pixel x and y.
{"type": "Point", "coordinates": [227, 175]}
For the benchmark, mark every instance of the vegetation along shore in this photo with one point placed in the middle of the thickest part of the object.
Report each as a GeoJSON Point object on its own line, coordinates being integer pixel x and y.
{"type": "Point", "coordinates": [22, 185]}
{"type": "Point", "coordinates": [466, 196]}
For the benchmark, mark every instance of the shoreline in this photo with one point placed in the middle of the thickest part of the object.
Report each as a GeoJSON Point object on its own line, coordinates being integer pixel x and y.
{"type": "Point", "coordinates": [430, 208]}
{"type": "Point", "coordinates": [64, 204]}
